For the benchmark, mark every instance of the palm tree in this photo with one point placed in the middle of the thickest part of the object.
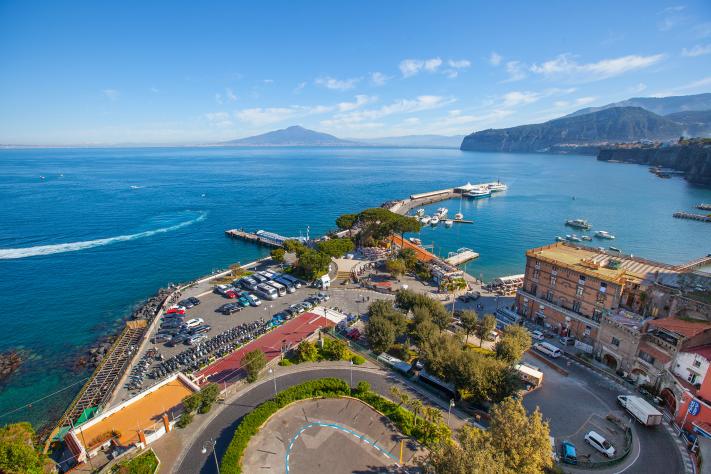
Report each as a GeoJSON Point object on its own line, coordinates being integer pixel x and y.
{"type": "Point", "coordinates": [396, 394]}
{"type": "Point", "coordinates": [451, 286]}
{"type": "Point", "coordinates": [416, 406]}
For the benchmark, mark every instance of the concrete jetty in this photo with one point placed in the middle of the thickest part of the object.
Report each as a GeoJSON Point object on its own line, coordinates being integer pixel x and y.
{"type": "Point", "coordinates": [262, 237]}
{"type": "Point", "coordinates": [458, 258]}
{"type": "Point", "coordinates": [694, 217]}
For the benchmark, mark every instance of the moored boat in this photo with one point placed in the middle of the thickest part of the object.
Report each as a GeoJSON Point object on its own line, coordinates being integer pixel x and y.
{"type": "Point", "coordinates": [497, 187]}
{"type": "Point", "coordinates": [434, 221]}
{"type": "Point", "coordinates": [578, 223]}
{"type": "Point", "coordinates": [426, 220]}
{"type": "Point", "coordinates": [559, 238]}
{"type": "Point", "coordinates": [478, 192]}
{"type": "Point", "coordinates": [449, 222]}
{"type": "Point", "coordinates": [586, 238]}
{"type": "Point", "coordinates": [603, 234]}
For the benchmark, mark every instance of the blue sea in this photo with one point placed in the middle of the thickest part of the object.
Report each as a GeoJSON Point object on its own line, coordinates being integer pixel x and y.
{"type": "Point", "coordinates": [106, 227]}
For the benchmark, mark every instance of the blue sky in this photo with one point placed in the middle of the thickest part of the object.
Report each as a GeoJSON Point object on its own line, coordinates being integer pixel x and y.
{"type": "Point", "coordinates": [193, 72]}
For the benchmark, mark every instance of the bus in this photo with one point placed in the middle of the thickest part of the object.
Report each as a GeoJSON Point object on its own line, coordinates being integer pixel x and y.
{"type": "Point", "coordinates": [266, 292]}
{"type": "Point", "coordinates": [281, 289]}
{"type": "Point", "coordinates": [294, 281]}
{"type": "Point", "coordinates": [439, 384]}
{"type": "Point", "coordinates": [290, 288]}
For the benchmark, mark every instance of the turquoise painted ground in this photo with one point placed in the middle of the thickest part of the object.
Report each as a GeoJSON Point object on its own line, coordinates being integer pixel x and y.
{"type": "Point", "coordinates": [106, 227]}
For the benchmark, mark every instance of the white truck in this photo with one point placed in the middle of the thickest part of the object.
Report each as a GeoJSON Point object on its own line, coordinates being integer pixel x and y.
{"type": "Point", "coordinates": [640, 409]}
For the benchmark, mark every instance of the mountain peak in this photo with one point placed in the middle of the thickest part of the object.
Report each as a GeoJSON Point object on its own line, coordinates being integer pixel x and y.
{"type": "Point", "coordinates": [295, 135]}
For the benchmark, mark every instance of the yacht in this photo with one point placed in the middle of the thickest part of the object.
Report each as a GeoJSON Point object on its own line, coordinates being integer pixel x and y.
{"type": "Point", "coordinates": [586, 238]}
{"type": "Point", "coordinates": [496, 187]}
{"type": "Point", "coordinates": [420, 212]}
{"type": "Point", "coordinates": [559, 238]}
{"type": "Point", "coordinates": [434, 221]}
{"type": "Point", "coordinates": [459, 216]}
{"type": "Point", "coordinates": [449, 222]}
{"type": "Point", "coordinates": [426, 220]}
{"type": "Point", "coordinates": [578, 223]}
{"type": "Point", "coordinates": [603, 234]}
{"type": "Point", "coordinates": [415, 240]}
{"type": "Point", "coordinates": [442, 212]}
{"type": "Point", "coordinates": [479, 192]}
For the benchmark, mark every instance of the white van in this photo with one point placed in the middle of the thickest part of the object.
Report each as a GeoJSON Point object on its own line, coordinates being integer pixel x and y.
{"type": "Point", "coordinates": [266, 292]}
{"type": "Point", "coordinates": [548, 349]}
{"type": "Point", "coordinates": [281, 289]}
{"type": "Point", "coordinates": [323, 283]}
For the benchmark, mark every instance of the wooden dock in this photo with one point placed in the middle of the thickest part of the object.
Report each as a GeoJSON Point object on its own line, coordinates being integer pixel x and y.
{"type": "Point", "coordinates": [252, 237]}
{"type": "Point", "coordinates": [458, 258]}
{"type": "Point", "coordinates": [694, 217]}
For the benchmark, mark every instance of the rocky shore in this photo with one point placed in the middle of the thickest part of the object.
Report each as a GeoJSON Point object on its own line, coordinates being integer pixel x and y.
{"type": "Point", "coordinates": [10, 361]}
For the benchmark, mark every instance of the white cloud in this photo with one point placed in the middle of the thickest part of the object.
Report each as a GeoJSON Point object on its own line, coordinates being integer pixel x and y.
{"type": "Point", "coordinates": [697, 50]}
{"type": "Point", "coordinates": [459, 64]}
{"type": "Point", "coordinates": [495, 58]}
{"type": "Point", "coordinates": [267, 81]}
{"type": "Point", "coordinates": [337, 84]}
{"type": "Point", "coordinates": [360, 100]}
{"type": "Point", "coordinates": [585, 100]}
{"type": "Point", "coordinates": [516, 71]}
{"type": "Point", "coordinates": [702, 30]}
{"type": "Point", "coordinates": [219, 119]}
{"type": "Point", "coordinates": [404, 106]}
{"type": "Point", "coordinates": [694, 86]}
{"type": "Point", "coordinates": [672, 17]}
{"type": "Point", "coordinates": [412, 67]}
{"type": "Point", "coordinates": [561, 103]}
{"type": "Point", "coordinates": [264, 116]}
{"type": "Point", "coordinates": [230, 95]}
{"type": "Point", "coordinates": [565, 66]}
{"type": "Point", "coordinates": [514, 98]}
{"type": "Point", "coordinates": [111, 94]}
{"type": "Point", "coordinates": [672, 9]}
{"type": "Point", "coordinates": [433, 64]}
{"type": "Point", "coordinates": [378, 78]}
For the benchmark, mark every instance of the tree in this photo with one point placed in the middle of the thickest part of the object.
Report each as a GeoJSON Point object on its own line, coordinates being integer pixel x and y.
{"type": "Point", "coordinates": [440, 316]}
{"type": "Point", "coordinates": [409, 256]}
{"type": "Point", "coordinates": [253, 362]}
{"type": "Point", "coordinates": [416, 406]}
{"type": "Point", "coordinates": [484, 327]}
{"type": "Point", "coordinates": [523, 439]}
{"type": "Point", "coordinates": [513, 344]}
{"type": "Point", "coordinates": [192, 402]}
{"type": "Point", "coordinates": [469, 321]}
{"type": "Point", "coordinates": [335, 349]}
{"type": "Point", "coordinates": [424, 331]}
{"type": "Point", "coordinates": [346, 221]}
{"type": "Point", "coordinates": [278, 255]}
{"type": "Point", "coordinates": [470, 454]}
{"type": "Point", "coordinates": [451, 286]}
{"type": "Point", "coordinates": [307, 351]}
{"type": "Point", "coordinates": [293, 246]}
{"type": "Point", "coordinates": [380, 332]}
{"type": "Point", "coordinates": [384, 309]}
{"type": "Point", "coordinates": [336, 247]}
{"type": "Point", "coordinates": [396, 267]}
{"type": "Point", "coordinates": [17, 451]}
{"type": "Point", "coordinates": [312, 264]}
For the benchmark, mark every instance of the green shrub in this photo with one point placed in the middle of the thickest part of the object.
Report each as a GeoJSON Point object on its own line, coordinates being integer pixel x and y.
{"type": "Point", "coordinates": [185, 419]}
{"type": "Point", "coordinates": [362, 387]}
{"type": "Point", "coordinates": [205, 408]}
{"type": "Point", "coordinates": [358, 359]}
{"type": "Point", "coordinates": [285, 362]}
{"type": "Point", "coordinates": [144, 463]}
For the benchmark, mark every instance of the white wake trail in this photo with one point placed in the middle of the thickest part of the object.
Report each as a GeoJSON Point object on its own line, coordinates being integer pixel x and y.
{"type": "Point", "coordinates": [8, 254]}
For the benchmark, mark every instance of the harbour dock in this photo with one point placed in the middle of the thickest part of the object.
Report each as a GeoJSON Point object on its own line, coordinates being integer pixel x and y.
{"type": "Point", "coordinates": [692, 216]}
{"type": "Point", "coordinates": [262, 237]}
{"type": "Point", "coordinates": [703, 206]}
{"type": "Point", "coordinates": [693, 264]}
{"type": "Point", "coordinates": [461, 256]}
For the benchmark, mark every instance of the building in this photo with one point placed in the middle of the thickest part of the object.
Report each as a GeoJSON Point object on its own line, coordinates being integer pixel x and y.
{"type": "Point", "coordinates": [569, 288]}
{"type": "Point", "coordinates": [134, 423]}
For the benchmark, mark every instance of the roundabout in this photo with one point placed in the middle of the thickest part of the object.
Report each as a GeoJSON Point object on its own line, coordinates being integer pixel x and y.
{"type": "Point", "coordinates": [338, 435]}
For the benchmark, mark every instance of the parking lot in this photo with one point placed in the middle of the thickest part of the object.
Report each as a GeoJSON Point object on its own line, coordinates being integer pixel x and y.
{"type": "Point", "coordinates": [218, 322]}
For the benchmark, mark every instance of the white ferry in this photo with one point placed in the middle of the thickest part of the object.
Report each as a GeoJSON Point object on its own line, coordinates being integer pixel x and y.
{"type": "Point", "coordinates": [478, 192]}
{"type": "Point", "coordinates": [497, 187]}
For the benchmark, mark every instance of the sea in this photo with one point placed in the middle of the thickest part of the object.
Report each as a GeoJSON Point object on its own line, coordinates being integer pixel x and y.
{"type": "Point", "coordinates": [87, 234]}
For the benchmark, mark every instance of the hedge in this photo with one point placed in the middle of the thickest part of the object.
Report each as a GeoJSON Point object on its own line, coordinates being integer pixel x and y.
{"type": "Point", "coordinates": [424, 432]}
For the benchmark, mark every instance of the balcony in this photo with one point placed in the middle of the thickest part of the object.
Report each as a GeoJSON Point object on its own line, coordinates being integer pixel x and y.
{"type": "Point", "coordinates": [571, 314]}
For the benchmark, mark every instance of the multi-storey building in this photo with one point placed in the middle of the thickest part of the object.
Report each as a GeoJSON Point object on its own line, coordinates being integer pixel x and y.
{"type": "Point", "coordinates": [569, 288]}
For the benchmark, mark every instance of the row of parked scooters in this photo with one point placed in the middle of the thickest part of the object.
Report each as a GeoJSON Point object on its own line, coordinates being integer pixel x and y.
{"type": "Point", "coordinates": [139, 371]}
{"type": "Point", "coordinates": [203, 353]}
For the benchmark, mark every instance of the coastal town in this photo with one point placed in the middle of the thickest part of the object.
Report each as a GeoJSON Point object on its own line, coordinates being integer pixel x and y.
{"type": "Point", "coordinates": [367, 299]}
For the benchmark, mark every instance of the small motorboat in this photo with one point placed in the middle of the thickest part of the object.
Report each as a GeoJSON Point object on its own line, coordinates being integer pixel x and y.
{"type": "Point", "coordinates": [615, 249]}
{"type": "Point", "coordinates": [426, 220]}
{"type": "Point", "coordinates": [459, 216]}
{"type": "Point", "coordinates": [586, 238]}
{"type": "Point", "coordinates": [572, 238]}
{"type": "Point", "coordinates": [559, 238]}
{"type": "Point", "coordinates": [434, 221]}
{"type": "Point", "coordinates": [449, 223]}
{"type": "Point", "coordinates": [603, 234]}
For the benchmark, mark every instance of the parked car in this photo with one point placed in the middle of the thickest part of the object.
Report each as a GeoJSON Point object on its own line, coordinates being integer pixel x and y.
{"type": "Point", "coordinates": [567, 453]}
{"type": "Point", "coordinates": [176, 310]}
{"type": "Point", "coordinates": [178, 338]}
{"type": "Point", "coordinates": [189, 302]}
{"type": "Point", "coordinates": [196, 339]}
{"type": "Point", "coordinates": [324, 296]}
{"type": "Point", "coordinates": [158, 338]}
{"type": "Point", "coordinates": [231, 308]}
{"type": "Point", "coordinates": [597, 441]}
{"type": "Point", "coordinates": [243, 302]}
{"type": "Point", "coordinates": [253, 300]}
{"type": "Point", "coordinates": [191, 323]}
{"type": "Point", "coordinates": [537, 335]}
{"type": "Point", "coordinates": [201, 329]}
{"type": "Point", "coordinates": [567, 341]}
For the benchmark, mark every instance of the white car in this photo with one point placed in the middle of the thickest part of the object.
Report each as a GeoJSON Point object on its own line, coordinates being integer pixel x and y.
{"type": "Point", "coordinates": [537, 335]}
{"type": "Point", "coordinates": [195, 322]}
{"type": "Point", "coordinates": [596, 440]}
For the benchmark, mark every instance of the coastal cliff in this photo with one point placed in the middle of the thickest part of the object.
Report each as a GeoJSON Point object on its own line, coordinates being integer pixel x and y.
{"type": "Point", "coordinates": [693, 158]}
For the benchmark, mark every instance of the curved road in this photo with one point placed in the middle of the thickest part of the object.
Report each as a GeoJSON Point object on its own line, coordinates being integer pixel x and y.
{"type": "Point", "coordinates": [655, 453]}
{"type": "Point", "coordinates": [222, 427]}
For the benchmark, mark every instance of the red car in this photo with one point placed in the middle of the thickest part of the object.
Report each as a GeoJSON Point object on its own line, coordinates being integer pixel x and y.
{"type": "Point", "coordinates": [176, 310]}
{"type": "Point", "coordinates": [230, 294]}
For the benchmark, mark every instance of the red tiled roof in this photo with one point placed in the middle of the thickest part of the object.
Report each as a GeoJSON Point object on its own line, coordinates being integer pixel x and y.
{"type": "Point", "coordinates": [703, 351]}
{"type": "Point", "coordinates": [421, 254]}
{"type": "Point", "coordinates": [680, 326]}
{"type": "Point", "coordinates": [654, 352]}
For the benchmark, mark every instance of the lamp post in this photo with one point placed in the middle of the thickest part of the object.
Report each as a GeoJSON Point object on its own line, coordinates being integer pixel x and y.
{"type": "Point", "coordinates": [211, 445]}
{"type": "Point", "coordinates": [449, 412]}
{"type": "Point", "coordinates": [351, 365]}
{"type": "Point", "coordinates": [273, 374]}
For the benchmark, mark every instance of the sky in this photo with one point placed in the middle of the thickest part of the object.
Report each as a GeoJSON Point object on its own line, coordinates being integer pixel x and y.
{"type": "Point", "coordinates": [182, 72]}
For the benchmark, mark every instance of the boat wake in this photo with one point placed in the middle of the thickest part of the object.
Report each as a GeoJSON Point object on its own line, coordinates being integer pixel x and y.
{"type": "Point", "coordinates": [8, 254]}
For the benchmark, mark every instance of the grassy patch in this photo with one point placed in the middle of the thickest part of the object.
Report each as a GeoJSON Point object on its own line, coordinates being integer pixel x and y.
{"type": "Point", "coordinates": [145, 463]}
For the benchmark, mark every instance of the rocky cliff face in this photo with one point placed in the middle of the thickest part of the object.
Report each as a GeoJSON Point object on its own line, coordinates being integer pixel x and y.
{"type": "Point", "coordinates": [693, 159]}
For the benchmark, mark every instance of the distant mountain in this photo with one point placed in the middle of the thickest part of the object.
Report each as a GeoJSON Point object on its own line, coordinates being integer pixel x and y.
{"type": "Point", "coordinates": [618, 124]}
{"type": "Point", "coordinates": [414, 141]}
{"type": "Point", "coordinates": [658, 105]}
{"type": "Point", "coordinates": [696, 123]}
{"type": "Point", "coordinates": [291, 136]}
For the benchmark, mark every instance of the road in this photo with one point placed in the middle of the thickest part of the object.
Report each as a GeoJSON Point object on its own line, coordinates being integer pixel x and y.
{"type": "Point", "coordinates": [567, 402]}
{"type": "Point", "coordinates": [222, 427]}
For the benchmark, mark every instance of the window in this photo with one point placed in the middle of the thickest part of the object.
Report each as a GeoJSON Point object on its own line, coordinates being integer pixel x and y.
{"type": "Point", "coordinates": [646, 357]}
{"type": "Point", "coordinates": [581, 280]}
{"type": "Point", "coordinates": [600, 298]}
{"type": "Point", "coordinates": [554, 271]}
{"type": "Point", "coordinates": [697, 363]}
{"type": "Point", "coordinates": [538, 265]}
{"type": "Point", "coordinates": [615, 342]}
{"type": "Point", "coordinates": [534, 288]}
{"type": "Point", "coordinates": [576, 306]}
{"type": "Point", "coordinates": [579, 291]}
{"type": "Point", "coordinates": [549, 295]}
{"type": "Point", "coordinates": [597, 314]}
{"type": "Point", "coordinates": [536, 274]}
{"type": "Point", "coordinates": [553, 280]}
{"type": "Point", "coordinates": [603, 287]}
{"type": "Point", "coordinates": [692, 378]}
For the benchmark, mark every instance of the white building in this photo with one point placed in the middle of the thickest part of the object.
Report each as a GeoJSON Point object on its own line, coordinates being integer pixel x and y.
{"type": "Point", "coordinates": [691, 364]}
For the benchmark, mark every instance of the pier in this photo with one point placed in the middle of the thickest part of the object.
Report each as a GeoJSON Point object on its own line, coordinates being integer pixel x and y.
{"type": "Point", "coordinates": [703, 206]}
{"type": "Point", "coordinates": [461, 256]}
{"type": "Point", "coordinates": [692, 216]}
{"type": "Point", "coordinates": [262, 237]}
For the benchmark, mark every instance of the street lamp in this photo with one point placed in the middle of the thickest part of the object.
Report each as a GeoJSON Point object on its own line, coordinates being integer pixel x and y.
{"type": "Point", "coordinates": [351, 364]}
{"type": "Point", "coordinates": [449, 412]}
{"type": "Point", "coordinates": [211, 445]}
{"type": "Point", "coordinates": [271, 372]}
